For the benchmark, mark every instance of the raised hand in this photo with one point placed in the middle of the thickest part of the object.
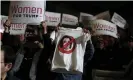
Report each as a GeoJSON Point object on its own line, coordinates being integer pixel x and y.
{"type": "Point", "coordinates": [7, 25]}
{"type": "Point", "coordinates": [39, 44]}
{"type": "Point", "coordinates": [44, 25]}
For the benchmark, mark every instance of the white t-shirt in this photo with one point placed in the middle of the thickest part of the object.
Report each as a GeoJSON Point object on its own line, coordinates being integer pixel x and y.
{"type": "Point", "coordinates": [69, 52]}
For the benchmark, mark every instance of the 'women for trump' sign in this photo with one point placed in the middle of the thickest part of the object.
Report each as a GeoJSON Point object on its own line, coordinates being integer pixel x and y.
{"type": "Point", "coordinates": [103, 27]}
{"type": "Point", "coordinates": [27, 11]}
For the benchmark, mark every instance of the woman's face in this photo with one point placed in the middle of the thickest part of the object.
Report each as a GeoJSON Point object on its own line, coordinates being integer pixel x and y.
{"type": "Point", "coordinates": [44, 24]}
{"type": "Point", "coordinates": [31, 34]}
{"type": "Point", "coordinates": [100, 42]}
{"type": "Point", "coordinates": [31, 31]}
{"type": "Point", "coordinates": [65, 41]}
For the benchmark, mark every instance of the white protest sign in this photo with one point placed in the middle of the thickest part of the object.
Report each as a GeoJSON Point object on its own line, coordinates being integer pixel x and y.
{"type": "Point", "coordinates": [85, 18]}
{"type": "Point", "coordinates": [17, 29]}
{"type": "Point", "coordinates": [3, 20]}
{"type": "Point", "coordinates": [104, 15]}
{"type": "Point", "coordinates": [52, 19]}
{"type": "Point", "coordinates": [69, 19]}
{"type": "Point", "coordinates": [27, 11]}
{"type": "Point", "coordinates": [118, 20]}
{"type": "Point", "coordinates": [103, 27]}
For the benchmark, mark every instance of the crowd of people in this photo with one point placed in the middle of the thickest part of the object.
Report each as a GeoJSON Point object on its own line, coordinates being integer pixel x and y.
{"type": "Point", "coordinates": [31, 58]}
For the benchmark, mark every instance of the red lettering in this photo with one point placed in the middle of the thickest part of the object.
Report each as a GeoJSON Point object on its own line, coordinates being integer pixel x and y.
{"type": "Point", "coordinates": [14, 9]}
{"type": "Point", "coordinates": [46, 17]}
{"type": "Point", "coordinates": [39, 10]}
{"type": "Point", "coordinates": [100, 26]}
{"type": "Point", "coordinates": [19, 26]}
{"type": "Point", "coordinates": [51, 18]}
{"type": "Point", "coordinates": [20, 10]}
{"type": "Point", "coordinates": [17, 9]}
{"type": "Point", "coordinates": [95, 25]}
{"type": "Point", "coordinates": [33, 10]}
{"type": "Point", "coordinates": [26, 10]}
{"type": "Point", "coordinates": [103, 27]}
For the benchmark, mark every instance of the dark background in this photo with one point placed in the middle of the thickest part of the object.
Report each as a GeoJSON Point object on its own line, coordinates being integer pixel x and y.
{"type": "Point", "coordinates": [123, 8]}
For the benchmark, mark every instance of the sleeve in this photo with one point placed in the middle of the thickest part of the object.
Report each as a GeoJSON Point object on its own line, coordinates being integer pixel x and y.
{"type": "Point", "coordinates": [129, 68]}
{"type": "Point", "coordinates": [52, 36]}
{"type": "Point", "coordinates": [84, 39]}
{"type": "Point", "coordinates": [89, 52]}
{"type": "Point", "coordinates": [5, 38]}
{"type": "Point", "coordinates": [46, 39]}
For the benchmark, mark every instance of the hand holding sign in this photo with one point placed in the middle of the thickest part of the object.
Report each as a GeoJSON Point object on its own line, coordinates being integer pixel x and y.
{"type": "Point", "coordinates": [103, 27]}
{"type": "Point", "coordinates": [44, 25]}
{"type": "Point", "coordinates": [7, 25]}
{"type": "Point", "coordinates": [39, 44]}
{"type": "Point", "coordinates": [52, 18]}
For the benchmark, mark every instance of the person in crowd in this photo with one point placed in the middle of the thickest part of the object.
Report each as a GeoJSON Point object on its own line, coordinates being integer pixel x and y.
{"type": "Point", "coordinates": [43, 65]}
{"type": "Point", "coordinates": [88, 55]}
{"type": "Point", "coordinates": [110, 57]}
{"type": "Point", "coordinates": [129, 59]}
{"type": "Point", "coordinates": [10, 40]}
{"type": "Point", "coordinates": [127, 52]}
{"type": "Point", "coordinates": [122, 55]}
{"type": "Point", "coordinates": [113, 50]}
{"type": "Point", "coordinates": [99, 58]}
{"type": "Point", "coordinates": [28, 55]}
{"type": "Point", "coordinates": [7, 61]}
{"type": "Point", "coordinates": [89, 52]}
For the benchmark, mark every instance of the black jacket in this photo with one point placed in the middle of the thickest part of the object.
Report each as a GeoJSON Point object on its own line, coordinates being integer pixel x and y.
{"type": "Point", "coordinates": [43, 67]}
{"type": "Point", "coordinates": [11, 40]}
{"type": "Point", "coordinates": [32, 66]}
{"type": "Point", "coordinates": [11, 77]}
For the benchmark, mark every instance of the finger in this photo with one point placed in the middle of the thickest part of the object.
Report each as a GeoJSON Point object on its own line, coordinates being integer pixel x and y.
{"type": "Point", "coordinates": [36, 42]}
{"type": "Point", "coordinates": [8, 22]}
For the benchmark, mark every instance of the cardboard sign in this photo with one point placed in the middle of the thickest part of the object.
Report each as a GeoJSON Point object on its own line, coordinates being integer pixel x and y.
{"type": "Point", "coordinates": [52, 19]}
{"type": "Point", "coordinates": [3, 19]}
{"type": "Point", "coordinates": [103, 27]}
{"type": "Point", "coordinates": [85, 18]}
{"type": "Point", "coordinates": [104, 15]}
{"type": "Point", "coordinates": [118, 20]}
{"type": "Point", "coordinates": [69, 19]}
{"type": "Point", "coordinates": [17, 29]}
{"type": "Point", "coordinates": [27, 11]}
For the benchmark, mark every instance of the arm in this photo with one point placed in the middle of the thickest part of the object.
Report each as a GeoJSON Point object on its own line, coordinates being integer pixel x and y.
{"type": "Point", "coordinates": [89, 52]}
{"type": "Point", "coordinates": [53, 36]}
{"type": "Point", "coordinates": [6, 35]}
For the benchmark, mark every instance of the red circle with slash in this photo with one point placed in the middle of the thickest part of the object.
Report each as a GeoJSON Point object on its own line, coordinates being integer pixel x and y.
{"type": "Point", "coordinates": [62, 47]}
